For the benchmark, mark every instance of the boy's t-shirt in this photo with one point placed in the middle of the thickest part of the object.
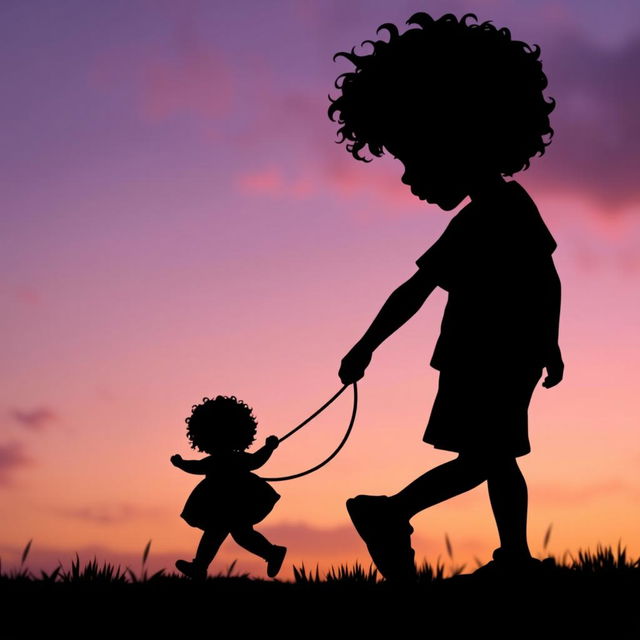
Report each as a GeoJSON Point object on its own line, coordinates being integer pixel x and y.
{"type": "Point", "coordinates": [493, 259]}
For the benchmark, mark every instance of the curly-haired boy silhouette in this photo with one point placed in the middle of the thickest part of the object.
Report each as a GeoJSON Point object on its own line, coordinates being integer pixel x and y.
{"type": "Point", "coordinates": [461, 105]}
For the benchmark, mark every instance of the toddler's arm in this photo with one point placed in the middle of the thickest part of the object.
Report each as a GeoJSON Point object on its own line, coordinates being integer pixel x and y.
{"type": "Point", "coordinates": [190, 466]}
{"type": "Point", "coordinates": [401, 305]}
{"type": "Point", "coordinates": [257, 459]}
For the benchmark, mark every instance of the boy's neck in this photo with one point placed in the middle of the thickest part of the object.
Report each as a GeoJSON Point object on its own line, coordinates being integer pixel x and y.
{"type": "Point", "coordinates": [486, 187]}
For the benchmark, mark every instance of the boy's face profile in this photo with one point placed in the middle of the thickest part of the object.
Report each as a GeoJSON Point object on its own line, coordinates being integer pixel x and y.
{"type": "Point", "coordinates": [438, 170]}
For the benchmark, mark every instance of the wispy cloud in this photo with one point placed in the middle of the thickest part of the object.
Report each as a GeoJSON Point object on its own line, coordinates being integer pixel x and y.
{"type": "Point", "coordinates": [110, 514]}
{"type": "Point", "coordinates": [186, 76]}
{"type": "Point", "coordinates": [577, 495]}
{"type": "Point", "coordinates": [197, 81]}
{"type": "Point", "coordinates": [12, 457]}
{"type": "Point", "coordinates": [35, 419]}
{"type": "Point", "coordinates": [271, 181]}
{"type": "Point", "coordinates": [595, 150]}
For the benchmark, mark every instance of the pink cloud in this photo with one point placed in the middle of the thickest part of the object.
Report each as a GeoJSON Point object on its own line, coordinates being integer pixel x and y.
{"type": "Point", "coordinates": [109, 514]}
{"type": "Point", "coordinates": [629, 262]}
{"type": "Point", "coordinates": [189, 78]}
{"type": "Point", "coordinates": [24, 294]}
{"type": "Point", "coordinates": [28, 295]}
{"type": "Point", "coordinates": [12, 457]}
{"type": "Point", "coordinates": [578, 495]}
{"type": "Point", "coordinates": [311, 540]}
{"type": "Point", "coordinates": [351, 179]}
{"type": "Point", "coordinates": [271, 181]}
{"type": "Point", "coordinates": [34, 419]}
{"type": "Point", "coordinates": [197, 81]}
{"type": "Point", "coordinates": [595, 150]}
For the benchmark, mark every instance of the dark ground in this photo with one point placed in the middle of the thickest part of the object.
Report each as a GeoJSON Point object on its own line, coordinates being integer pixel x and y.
{"type": "Point", "coordinates": [559, 604]}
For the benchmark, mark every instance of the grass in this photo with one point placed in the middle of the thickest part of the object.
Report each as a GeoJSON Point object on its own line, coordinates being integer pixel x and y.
{"type": "Point", "coordinates": [584, 592]}
{"type": "Point", "coordinates": [605, 560]}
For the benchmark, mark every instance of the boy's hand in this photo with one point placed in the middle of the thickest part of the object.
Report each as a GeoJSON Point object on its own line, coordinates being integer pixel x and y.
{"type": "Point", "coordinates": [354, 364]}
{"type": "Point", "coordinates": [555, 369]}
{"type": "Point", "coordinates": [176, 460]}
{"type": "Point", "coordinates": [272, 441]}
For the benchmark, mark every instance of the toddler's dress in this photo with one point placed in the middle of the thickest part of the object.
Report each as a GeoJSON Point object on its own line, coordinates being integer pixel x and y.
{"type": "Point", "coordinates": [229, 495]}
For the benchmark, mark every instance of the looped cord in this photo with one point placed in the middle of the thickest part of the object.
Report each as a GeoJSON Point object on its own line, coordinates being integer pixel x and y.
{"type": "Point", "coordinates": [311, 417]}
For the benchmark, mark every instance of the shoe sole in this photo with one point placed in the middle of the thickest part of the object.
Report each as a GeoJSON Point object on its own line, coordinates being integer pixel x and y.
{"type": "Point", "coordinates": [398, 567]}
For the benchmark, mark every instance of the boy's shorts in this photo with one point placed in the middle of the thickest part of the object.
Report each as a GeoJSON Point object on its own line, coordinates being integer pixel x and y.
{"type": "Point", "coordinates": [482, 412]}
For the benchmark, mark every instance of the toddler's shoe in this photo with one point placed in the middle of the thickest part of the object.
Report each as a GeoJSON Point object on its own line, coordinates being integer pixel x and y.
{"type": "Point", "coordinates": [387, 536]}
{"type": "Point", "coordinates": [274, 563]}
{"type": "Point", "coordinates": [191, 569]}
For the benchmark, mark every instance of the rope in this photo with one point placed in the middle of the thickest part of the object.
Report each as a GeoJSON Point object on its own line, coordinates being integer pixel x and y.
{"type": "Point", "coordinates": [311, 417]}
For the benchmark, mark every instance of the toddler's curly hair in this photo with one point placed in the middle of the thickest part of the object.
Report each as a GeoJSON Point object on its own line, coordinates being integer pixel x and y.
{"type": "Point", "coordinates": [459, 79]}
{"type": "Point", "coordinates": [223, 422]}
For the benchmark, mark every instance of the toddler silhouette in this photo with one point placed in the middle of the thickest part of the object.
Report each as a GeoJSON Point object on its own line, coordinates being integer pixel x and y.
{"type": "Point", "coordinates": [231, 499]}
{"type": "Point", "coordinates": [461, 105]}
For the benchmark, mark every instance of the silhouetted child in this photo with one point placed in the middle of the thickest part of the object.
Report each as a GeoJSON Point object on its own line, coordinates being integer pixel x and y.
{"type": "Point", "coordinates": [231, 499]}
{"type": "Point", "coordinates": [461, 105]}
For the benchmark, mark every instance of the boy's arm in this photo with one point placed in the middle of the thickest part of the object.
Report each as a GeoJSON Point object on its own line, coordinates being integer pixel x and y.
{"type": "Point", "coordinates": [199, 467]}
{"type": "Point", "coordinates": [401, 305]}
{"type": "Point", "coordinates": [553, 358]}
{"type": "Point", "coordinates": [257, 459]}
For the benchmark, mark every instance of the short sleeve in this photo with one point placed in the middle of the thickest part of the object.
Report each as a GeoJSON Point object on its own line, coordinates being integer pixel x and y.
{"type": "Point", "coordinates": [440, 257]}
{"type": "Point", "coordinates": [434, 256]}
{"type": "Point", "coordinates": [534, 238]}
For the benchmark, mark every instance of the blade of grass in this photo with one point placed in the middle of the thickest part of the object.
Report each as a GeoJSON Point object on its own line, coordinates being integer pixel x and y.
{"type": "Point", "coordinates": [25, 553]}
{"type": "Point", "coordinates": [547, 537]}
{"type": "Point", "coordinates": [145, 553]}
{"type": "Point", "coordinates": [447, 542]}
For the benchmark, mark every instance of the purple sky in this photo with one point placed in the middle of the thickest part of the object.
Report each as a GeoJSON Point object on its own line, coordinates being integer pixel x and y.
{"type": "Point", "coordinates": [176, 216]}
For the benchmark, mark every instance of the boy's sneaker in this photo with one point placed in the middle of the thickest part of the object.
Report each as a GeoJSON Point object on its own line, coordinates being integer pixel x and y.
{"type": "Point", "coordinates": [387, 536]}
{"type": "Point", "coordinates": [512, 564]}
{"type": "Point", "coordinates": [191, 569]}
{"type": "Point", "coordinates": [274, 563]}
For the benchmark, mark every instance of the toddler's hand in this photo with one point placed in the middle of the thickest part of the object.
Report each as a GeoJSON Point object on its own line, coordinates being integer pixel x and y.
{"type": "Point", "coordinates": [272, 441]}
{"type": "Point", "coordinates": [176, 460]}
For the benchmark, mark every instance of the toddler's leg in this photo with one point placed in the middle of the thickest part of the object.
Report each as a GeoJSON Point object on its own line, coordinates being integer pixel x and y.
{"type": "Point", "coordinates": [209, 545]}
{"type": "Point", "coordinates": [509, 501]}
{"type": "Point", "coordinates": [207, 549]}
{"type": "Point", "coordinates": [441, 483]}
{"type": "Point", "coordinates": [246, 536]}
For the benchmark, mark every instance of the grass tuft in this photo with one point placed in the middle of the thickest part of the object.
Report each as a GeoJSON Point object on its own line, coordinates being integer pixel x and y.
{"type": "Point", "coordinates": [601, 562]}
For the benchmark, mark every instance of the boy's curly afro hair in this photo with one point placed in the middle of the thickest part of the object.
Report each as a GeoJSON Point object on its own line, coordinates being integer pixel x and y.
{"type": "Point", "coordinates": [449, 78]}
{"type": "Point", "coordinates": [222, 422]}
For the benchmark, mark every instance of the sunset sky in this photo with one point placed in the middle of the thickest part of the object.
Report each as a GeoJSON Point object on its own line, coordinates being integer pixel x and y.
{"type": "Point", "coordinates": [178, 222]}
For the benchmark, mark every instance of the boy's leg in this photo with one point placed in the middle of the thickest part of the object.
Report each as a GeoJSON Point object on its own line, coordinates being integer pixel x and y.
{"type": "Point", "coordinates": [508, 495]}
{"type": "Point", "coordinates": [383, 522]}
{"type": "Point", "coordinates": [509, 500]}
{"type": "Point", "coordinates": [441, 483]}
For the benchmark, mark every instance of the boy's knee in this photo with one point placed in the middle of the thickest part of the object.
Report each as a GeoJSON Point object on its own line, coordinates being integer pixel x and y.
{"type": "Point", "coordinates": [488, 463]}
